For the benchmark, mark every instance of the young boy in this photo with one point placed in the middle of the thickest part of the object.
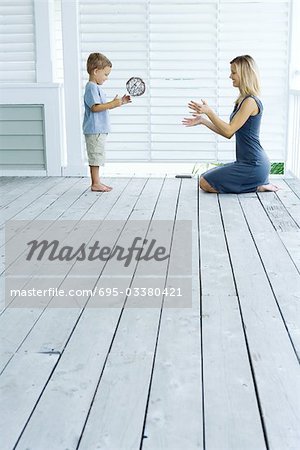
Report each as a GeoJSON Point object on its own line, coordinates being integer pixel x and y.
{"type": "Point", "coordinates": [96, 124]}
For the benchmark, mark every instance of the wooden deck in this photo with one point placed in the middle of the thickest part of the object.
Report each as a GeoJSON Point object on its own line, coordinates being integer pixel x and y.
{"type": "Point", "coordinates": [220, 375]}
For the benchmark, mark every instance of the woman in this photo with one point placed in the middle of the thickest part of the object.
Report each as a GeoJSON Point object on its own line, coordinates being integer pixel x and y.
{"type": "Point", "coordinates": [250, 171]}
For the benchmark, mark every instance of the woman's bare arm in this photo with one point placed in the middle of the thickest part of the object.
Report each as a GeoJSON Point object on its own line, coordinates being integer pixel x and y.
{"type": "Point", "coordinates": [212, 127]}
{"type": "Point", "coordinates": [227, 130]}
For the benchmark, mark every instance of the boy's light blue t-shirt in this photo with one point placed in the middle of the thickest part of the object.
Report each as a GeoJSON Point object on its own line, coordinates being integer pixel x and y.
{"type": "Point", "coordinates": [95, 122]}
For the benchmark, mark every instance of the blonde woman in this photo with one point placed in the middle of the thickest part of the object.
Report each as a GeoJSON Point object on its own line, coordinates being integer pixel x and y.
{"type": "Point", "coordinates": [250, 171]}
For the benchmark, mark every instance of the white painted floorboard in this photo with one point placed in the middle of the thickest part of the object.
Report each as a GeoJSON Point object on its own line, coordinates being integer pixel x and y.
{"type": "Point", "coordinates": [221, 373]}
{"type": "Point", "coordinates": [230, 401]}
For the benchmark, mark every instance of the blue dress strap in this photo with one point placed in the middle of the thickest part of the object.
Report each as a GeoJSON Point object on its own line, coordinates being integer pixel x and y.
{"type": "Point", "coordinates": [258, 102]}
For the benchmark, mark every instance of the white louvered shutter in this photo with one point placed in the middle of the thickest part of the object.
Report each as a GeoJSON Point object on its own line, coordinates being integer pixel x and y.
{"type": "Point", "coordinates": [183, 66]}
{"type": "Point", "coordinates": [260, 29]}
{"type": "Point", "coordinates": [119, 31]}
{"type": "Point", "coordinates": [17, 41]}
{"type": "Point", "coordinates": [183, 50]}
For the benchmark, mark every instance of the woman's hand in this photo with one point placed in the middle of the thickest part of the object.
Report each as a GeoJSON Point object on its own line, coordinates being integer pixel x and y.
{"type": "Point", "coordinates": [200, 108]}
{"type": "Point", "coordinates": [188, 122]}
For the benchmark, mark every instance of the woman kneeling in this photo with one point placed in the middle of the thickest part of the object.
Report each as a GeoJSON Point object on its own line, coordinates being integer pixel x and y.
{"type": "Point", "coordinates": [250, 171]}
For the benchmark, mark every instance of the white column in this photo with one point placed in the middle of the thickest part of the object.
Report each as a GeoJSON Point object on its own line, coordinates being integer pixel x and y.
{"type": "Point", "coordinates": [72, 89]}
{"type": "Point", "coordinates": [45, 91]}
{"type": "Point", "coordinates": [295, 46]}
{"type": "Point", "coordinates": [293, 120]}
{"type": "Point", "coordinates": [44, 42]}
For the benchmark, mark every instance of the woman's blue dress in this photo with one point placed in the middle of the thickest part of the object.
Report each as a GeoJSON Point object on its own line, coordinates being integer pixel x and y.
{"type": "Point", "coordinates": [252, 166]}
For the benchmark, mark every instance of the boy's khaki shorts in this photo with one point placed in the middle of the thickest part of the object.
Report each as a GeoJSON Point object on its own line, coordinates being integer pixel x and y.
{"type": "Point", "coordinates": [95, 147]}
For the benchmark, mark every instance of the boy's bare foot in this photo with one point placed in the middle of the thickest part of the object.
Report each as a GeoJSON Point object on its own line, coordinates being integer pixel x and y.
{"type": "Point", "coordinates": [109, 187]}
{"type": "Point", "coordinates": [100, 188]}
{"type": "Point", "coordinates": [267, 188]}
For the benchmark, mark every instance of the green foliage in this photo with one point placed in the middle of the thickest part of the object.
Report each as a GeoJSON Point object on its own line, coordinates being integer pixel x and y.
{"type": "Point", "coordinates": [195, 169]}
{"type": "Point", "coordinates": [277, 168]}
{"type": "Point", "coordinates": [199, 167]}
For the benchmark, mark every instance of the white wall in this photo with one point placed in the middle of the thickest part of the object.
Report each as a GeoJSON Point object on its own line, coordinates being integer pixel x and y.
{"type": "Point", "coordinates": [27, 70]}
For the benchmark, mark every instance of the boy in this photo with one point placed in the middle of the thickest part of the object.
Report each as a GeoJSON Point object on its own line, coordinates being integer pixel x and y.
{"type": "Point", "coordinates": [96, 124]}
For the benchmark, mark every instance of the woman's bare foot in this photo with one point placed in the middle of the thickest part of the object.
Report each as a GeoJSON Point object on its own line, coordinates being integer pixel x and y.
{"type": "Point", "coordinates": [100, 188]}
{"type": "Point", "coordinates": [267, 188]}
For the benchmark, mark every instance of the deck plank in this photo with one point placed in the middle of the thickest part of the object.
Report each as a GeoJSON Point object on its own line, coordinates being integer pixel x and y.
{"type": "Point", "coordinates": [52, 213]}
{"type": "Point", "coordinates": [18, 188]}
{"type": "Point", "coordinates": [86, 365]}
{"type": "Point", "coordinates": [20, 203]}
{"type": "Point", "coordinates": [273, 358]}
{"type": "Point", "coordinates": [15, 324]}
{"type": "Point", "coordinates": [229, 392]}
{"type": "Point", "coordinates": [215, 263]}
{"type": "Point", "coordinates": [5, 180]}
{"type": "Point", "coordinates": [294, 184]}
{"type": "Point", "coordinates": [290, 201]}
{"type": "Point", "coordinates": [56, 211]}
{"type": "Point", "coordinates": [34, 211]}
{"type": "Point", "coordinates": [290, 209]}
{"type": "Point", "coordinates": [291, 240]}
{"type": "Point", "coordinates": [278, 214]}
{"type": "Point", "coordinates": [133, 349]}
{"type": "Point", "coordinates": [278, 265]}
{"type": "Point", "coordinates": [174, 417]}
{"type": "Point", "coordinates": [137, 372]}
{"type": "Point", "coordinates": [20, 388]}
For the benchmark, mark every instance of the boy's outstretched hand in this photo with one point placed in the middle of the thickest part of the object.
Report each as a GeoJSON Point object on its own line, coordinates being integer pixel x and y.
{"type": "Point", "coordinates": [126, 99]}
{"type": "Point", "coordinates": [120, 101]}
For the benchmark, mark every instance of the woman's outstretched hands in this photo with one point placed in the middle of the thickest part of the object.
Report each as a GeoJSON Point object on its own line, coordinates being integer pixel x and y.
{"type": "Point", "coordinates": [189, 122]}
{"type": "Point", "coordinates": [199, 108]}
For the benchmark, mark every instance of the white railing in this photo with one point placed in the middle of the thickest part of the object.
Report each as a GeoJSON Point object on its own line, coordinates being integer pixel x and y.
{"type": "Point", "coordinates": [293, 160]}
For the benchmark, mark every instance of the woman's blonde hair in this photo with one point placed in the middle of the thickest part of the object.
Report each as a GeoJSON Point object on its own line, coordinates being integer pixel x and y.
{"type": "Point", "coordinates": [248, 73]}
{"type": "Point", "coordinates": [97, 61]}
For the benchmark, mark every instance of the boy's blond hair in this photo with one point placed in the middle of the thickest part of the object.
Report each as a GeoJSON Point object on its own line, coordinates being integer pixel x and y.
{"type": "Point", "coordinates": [97, 61]}
{"type": "Point", "coordinates": [247, 71]}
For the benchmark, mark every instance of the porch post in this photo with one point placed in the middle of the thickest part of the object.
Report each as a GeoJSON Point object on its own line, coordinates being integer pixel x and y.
{"type": "Point", "coordinates": [44, 42]}
{"type": "Point", "coordinates": [72, 89]}
{"type": "Point", "coordinates": [45, 88]}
